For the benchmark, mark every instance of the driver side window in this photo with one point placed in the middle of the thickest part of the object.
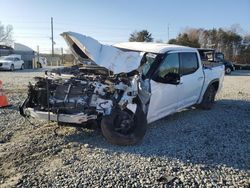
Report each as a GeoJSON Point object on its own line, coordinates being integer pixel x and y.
{"type": "Point", "coordinates": [169, 65]}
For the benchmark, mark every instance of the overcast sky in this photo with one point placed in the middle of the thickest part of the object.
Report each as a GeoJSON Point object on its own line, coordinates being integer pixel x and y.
{"type": "Point", "coordinates": [111, 21]}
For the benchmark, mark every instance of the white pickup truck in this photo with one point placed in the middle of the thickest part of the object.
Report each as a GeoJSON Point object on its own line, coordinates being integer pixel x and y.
{"type": "Point", "coordinates": [124, 87]}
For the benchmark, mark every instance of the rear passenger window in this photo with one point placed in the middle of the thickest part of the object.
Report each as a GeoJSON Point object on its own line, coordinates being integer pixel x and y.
{"type": "Point", "coordinates": [189, 63]}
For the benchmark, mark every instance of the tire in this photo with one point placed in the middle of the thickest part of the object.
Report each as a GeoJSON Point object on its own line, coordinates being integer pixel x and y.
{"type": "Point", "coordinates": [130, 134]}
{"type": "Point", "coordinates": [22, 67]}
{"type": "Point", "coordinates": [12, 67]}
{"type": "Point", "coordinates": [208, 98]}
{"type": "Point", "coordinates": [228, 70]}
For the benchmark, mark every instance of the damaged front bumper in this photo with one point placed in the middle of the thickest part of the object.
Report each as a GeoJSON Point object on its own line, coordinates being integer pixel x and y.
{"type": "Point", "coordinates": [49, 116]}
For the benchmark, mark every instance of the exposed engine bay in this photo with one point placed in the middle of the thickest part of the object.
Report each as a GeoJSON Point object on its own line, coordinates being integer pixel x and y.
{"type": "Point", "coordinates": [81, 97]}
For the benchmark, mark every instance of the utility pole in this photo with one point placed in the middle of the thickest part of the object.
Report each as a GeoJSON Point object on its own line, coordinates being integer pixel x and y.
{"type": "Point", "coordinates": [62, 55]}
{"type": "Point", "coordinates": [168, 32]}
{"type": "Point", "coordinates": [38, 54]}
{"type": "Point", "coordinates": [52, 37]}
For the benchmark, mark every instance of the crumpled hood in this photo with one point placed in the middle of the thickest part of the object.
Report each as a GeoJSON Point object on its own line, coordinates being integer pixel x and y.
{"type": "Point", "coordinates": [103, 55]}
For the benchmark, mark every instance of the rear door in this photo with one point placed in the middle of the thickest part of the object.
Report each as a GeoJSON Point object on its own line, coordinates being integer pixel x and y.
{"type": "Point", "coordinates": [192, 78]}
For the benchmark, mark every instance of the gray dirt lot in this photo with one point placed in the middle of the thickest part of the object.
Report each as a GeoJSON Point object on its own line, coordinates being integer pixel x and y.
{"type": "Point", "coordinates": [192, 148]}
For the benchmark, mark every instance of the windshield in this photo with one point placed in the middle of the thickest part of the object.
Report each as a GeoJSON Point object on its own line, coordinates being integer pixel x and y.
{"type": "Point", "coordinates": [146, 62]}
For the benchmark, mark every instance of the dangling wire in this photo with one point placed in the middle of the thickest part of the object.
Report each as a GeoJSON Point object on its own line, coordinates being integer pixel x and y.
{"type": "Point", "coordinates": [47, 88]}
{"type": "Point", "coordinates": [57, 120]}
{"type": "Point", "coordinates": [27, 119]}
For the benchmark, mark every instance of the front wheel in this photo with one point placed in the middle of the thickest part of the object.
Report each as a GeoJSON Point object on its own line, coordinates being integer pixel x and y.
{"type": "Point", "coordinates": [123, 127]}
{"type": "Point", "coordinates": [208, 98]}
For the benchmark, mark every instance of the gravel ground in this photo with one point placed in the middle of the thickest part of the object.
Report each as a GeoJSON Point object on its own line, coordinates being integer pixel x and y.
{"type": "Point", "coordinates": [192, 148]}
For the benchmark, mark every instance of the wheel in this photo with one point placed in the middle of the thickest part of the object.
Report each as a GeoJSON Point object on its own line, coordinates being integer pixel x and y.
{"type": "Point", "coordinates": [124, 127]}
{"type": "Point", "coordinates": [12, 67]}
{"type": "Point", "coordinates": [22, 67]}
{"type": "Point", "coordinates": [228, 70]}
{"type": "Point", "coordinates": [208, 98]}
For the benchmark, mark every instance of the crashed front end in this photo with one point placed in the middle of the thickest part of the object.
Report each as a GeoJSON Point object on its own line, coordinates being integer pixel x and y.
{"type": "Point", "coordinates": [79, 98]}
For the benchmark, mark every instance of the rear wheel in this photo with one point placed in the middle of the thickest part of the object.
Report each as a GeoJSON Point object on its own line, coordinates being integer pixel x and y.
{"type": "Point", "coordinates": [208, 98]}
{"type": "Point", "coordinates": [123, 127]}
{"type": "Point", "coordinates": [22, 67]}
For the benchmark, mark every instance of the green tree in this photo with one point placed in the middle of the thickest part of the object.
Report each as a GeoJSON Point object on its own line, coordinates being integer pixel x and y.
{"type": "Point", "coordinates": [172, 41]}
{"type": "Point", "coordinates": [184, 40]}
{"type": "Point", "coordinates": [141, 36]}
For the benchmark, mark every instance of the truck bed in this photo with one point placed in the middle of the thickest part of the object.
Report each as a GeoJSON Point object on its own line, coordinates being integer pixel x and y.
{"type": "Point", "coordinates": [209, 64]}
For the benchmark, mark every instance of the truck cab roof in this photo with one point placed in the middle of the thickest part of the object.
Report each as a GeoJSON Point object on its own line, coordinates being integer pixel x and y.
{"type": "Point", "coordinates": [151, 47]}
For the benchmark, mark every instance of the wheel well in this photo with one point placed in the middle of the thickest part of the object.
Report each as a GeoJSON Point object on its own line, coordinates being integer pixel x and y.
{"type": "Point", "coordinates": [216, 85]}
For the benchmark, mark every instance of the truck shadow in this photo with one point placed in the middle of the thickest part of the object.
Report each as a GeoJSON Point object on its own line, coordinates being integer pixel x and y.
{"type": "Point", "coordinates": [218, 136]}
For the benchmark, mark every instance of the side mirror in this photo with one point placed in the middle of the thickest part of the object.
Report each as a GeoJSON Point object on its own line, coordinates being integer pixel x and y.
{"type": "Point", "coordinates": [170, 78]}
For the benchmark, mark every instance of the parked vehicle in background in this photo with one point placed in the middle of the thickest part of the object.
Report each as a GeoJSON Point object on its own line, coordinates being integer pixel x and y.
{"type": "Point", "coordinates": [211, 56]}
{"type": "Point", "coordinates": [123, 87]}
{"type": "Point", "coordinates": [239, 66]}
{"type": "Point", "coordinates": [229, 66]}
{"type": "Point", "coordinates": [11, 62]}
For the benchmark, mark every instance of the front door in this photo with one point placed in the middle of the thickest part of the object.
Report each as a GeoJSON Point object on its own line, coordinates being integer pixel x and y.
{"type": "Point", "coordinates": [164, 96]}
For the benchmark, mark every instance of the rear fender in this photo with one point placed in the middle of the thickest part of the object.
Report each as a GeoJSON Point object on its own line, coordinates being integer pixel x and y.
{"type": "Point", "coordinates": [215, 82]}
